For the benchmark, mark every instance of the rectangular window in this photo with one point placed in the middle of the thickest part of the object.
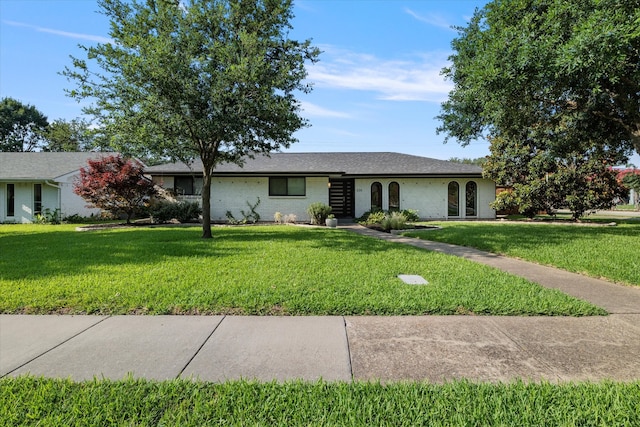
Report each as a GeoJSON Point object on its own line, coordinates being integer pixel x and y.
{"type": "Point", "coordinates": [183, 185]}
{"type": "Point", "coordinates": [11, 193]}
{"type": "Point", "coordinates": [37, 199]}
{"type": "Point", "coordinates": [287, 186]}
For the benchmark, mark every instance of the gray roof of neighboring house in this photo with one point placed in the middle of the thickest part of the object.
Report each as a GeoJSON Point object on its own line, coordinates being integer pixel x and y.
{"type": "Point", "coordinates": [348, 164]}
{"type": "Point", "coordinates": [42, 165]}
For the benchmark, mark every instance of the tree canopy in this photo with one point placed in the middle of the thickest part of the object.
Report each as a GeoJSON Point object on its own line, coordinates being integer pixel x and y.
{"type": "Point", "coordinates": [115, 184]}
{"type": "Point", "coordinates": [207, 79]}
{"type": "Point", "coordinates": [22, 126]}
{"type": "Point", "coordinates": [73, 135]}
{"type": "Point", "coordinates": [555, 87]}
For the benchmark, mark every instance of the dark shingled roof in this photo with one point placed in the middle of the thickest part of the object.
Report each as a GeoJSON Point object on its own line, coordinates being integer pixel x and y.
{"type": "Point", "coordinates": [349, 164]}
{"type": "Point", "coordinates": [42, 165]}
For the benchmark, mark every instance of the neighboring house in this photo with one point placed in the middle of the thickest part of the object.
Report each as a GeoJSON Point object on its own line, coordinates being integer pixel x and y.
{"type": "Point", "coordinates": [351, 183]}
{"type": "Point", "coordinates": [31, 183]}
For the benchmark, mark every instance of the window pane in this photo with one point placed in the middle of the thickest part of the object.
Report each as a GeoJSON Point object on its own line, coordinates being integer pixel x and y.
{"type": "Point", "coordinates": [376, 196]}
{"type": "Point", "coordinates": [471, 196]}
{"type": "Point", "coordinates": [10, 199]}
{"type": "Point", "coordinates": [296, 186]}
{"type": "Point", "coordinates": [37, 199]}
{"type": "Point", "coordinates": [277, 186]}
{"type": "Point", "coordinates": [197, 186]}
{"type": "Point", "coordinates": [394, 196]}
{"type": "Point", "coordinates": [184, 184]}
{"type": "Point", "coordinates": [453, 199]}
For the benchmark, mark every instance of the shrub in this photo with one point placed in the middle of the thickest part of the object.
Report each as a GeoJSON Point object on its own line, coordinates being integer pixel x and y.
{"type": "Point", "coordinates": [385, 220]}
{"type": "Point", "coordinates": [318, 212]}
{"type": "Point", "coordinates": [411, 215]}
{"type": "Point", "coordinates": [372, 217]}
{"type": "Point", "coordinates": [397, 221]}
{"type": "Point", "coordinates": [278, 218]}
{"type": "Point", "coordinates": [48, 216]}
{"type": "Point", "coordinates": [290, 219]}
{"type": "Point", "coordinates": [378, 217]}
{"type": "Point", "coordinates": [164, 211]}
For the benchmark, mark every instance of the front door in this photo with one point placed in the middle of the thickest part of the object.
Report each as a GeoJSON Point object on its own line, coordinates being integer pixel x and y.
{"type": "Point", "coordinates": [342, 197]}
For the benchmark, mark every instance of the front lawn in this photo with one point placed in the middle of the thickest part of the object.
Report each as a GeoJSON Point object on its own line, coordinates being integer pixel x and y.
{"type": "Point", "coordinates": [53, 402]}
{"type": "Point", "coordinates": [594, 250]}
{"type": "Point", "coordinates": [250, 270]}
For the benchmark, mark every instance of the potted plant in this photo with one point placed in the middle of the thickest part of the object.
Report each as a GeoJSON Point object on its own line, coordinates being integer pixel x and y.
{"type": "Point", "coordinates": [331, 221]}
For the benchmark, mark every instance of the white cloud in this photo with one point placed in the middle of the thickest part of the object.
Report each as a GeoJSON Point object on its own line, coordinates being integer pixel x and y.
{"type": "Point", "coordinates": [318, 111]}
{"type": "Point", "coordinates": [431, 19]}
{"type": "Point", "coordinates": [416, 79]}
{"type": "Point", "coordinates": [79, 36]}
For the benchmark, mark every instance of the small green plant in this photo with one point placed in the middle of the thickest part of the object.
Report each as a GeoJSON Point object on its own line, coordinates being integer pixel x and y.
{"type": "Point", "coordinates": [378, 216]}
{"type": "Point", "coordinates": [372, 217]}
{"type": "Point", "coordinates": [394, 221]}
{"type": "Point", "coordinates": [250, 217]}
{"type": "Point", "coordinates": [48, 216]}
{"type": "Point", "coordinates": [318, 212]}
{"type": "Point", "coordinates": [411, 215]}
{"type": "Point", "coordinates": [387, 220]}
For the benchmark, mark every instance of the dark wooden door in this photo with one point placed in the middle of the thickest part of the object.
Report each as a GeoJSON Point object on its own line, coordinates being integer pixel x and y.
{"type": "Point", "coordinates": [342, 197]}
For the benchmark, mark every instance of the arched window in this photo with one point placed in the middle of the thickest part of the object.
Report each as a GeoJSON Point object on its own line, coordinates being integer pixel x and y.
{"type": "Point", "coordinates": [394, 196]}
{"type": "Point", "coordinates": [376, 196]}
{"type": "Point", "coordinates": [453, 199]}
{"type": "Point", "coordinates": [471, 195]}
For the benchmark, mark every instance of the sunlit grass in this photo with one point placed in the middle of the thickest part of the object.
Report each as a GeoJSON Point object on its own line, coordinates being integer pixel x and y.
{"type": "Point", "coordinates": [52, 402]}
{"type": "Point", "coordinates": [596, 250]}
{"type": "Point", "coordinates": [250, 270]}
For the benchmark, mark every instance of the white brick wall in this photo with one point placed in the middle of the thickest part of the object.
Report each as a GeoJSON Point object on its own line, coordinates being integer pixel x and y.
{"type": "Point", "coordinates": [233, 193]}
{"type": "Point", "coordinates": [426, 195]}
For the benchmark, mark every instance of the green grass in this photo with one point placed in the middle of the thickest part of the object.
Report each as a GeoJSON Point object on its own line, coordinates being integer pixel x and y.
{"type": "Point", "coordinates": [594, 250]}
{"type": "Point", "coordinates": [51, 402]}
{"type": "Point", "coordinates": [251, 270]}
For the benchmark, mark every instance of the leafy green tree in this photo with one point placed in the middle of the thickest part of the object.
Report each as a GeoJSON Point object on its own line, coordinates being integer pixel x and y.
{"type": "Point", "coordinates": [555, 87]}
{"type": "Point", "coordinates": [207, 79]}
{"type": "Point", "coordinates": [74, 135]}
{"type": "Point", "coordinates": [480, 161]}
{"type": "Point", "coordinates": [22, 126]}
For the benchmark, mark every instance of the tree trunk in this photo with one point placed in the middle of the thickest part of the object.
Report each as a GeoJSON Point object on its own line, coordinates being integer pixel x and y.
{"type": "Point", "coordinates": [206, 204]}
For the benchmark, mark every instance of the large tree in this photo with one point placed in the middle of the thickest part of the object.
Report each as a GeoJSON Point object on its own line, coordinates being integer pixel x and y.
{"type": "Point", "coordinates": [189, 79]}
{"type": "Point", "coordinates": [22, 126]}
{"type": "Point", "coordinates": [555, 86]}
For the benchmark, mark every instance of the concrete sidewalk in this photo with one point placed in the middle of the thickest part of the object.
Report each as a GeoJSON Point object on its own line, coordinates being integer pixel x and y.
{"type": "Point", "coordinates": [337, 348]}
{"type": "Point", "coordinates": [219, 348]}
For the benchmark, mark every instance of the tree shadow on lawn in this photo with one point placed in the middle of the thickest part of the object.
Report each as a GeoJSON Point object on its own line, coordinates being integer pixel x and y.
{"type": "Point", "coordinates": [39, 255]}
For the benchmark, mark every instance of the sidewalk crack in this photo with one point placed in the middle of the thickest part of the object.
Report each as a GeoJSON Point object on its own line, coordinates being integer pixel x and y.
{"type": "Point", "coordinates": [206, 340]}
{"type": "Point", "coordinates": [549, 368]}
{"type": "Point", "coordinates": [346, 334]}
{"type": "Point", "coordinates": [55, 346]}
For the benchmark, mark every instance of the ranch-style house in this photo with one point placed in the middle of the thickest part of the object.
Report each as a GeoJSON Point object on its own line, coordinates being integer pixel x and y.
{"type": "Point", "coordinates": [351, 183]}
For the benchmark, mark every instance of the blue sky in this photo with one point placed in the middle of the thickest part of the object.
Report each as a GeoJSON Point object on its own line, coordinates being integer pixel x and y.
{"type": "Point", "coordinates": [377, 86]}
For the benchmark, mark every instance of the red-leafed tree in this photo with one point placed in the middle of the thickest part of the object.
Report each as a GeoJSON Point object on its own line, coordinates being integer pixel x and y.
{"type": "Point", "coordinates": [116, 185]}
